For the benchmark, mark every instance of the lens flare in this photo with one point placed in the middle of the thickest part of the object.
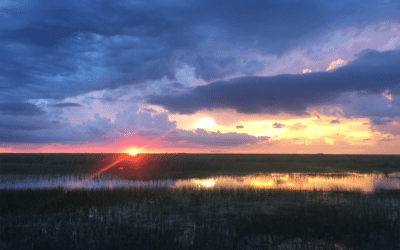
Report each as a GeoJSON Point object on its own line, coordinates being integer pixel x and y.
{"type": "Point", "coordinates": [101, 171]}
{"type": "Point", "coordinates": [131, 152]}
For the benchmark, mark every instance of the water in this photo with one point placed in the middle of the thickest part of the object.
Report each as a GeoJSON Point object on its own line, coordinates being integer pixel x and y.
{"type": "Point", "coordinates": [349, 181]}
{"type": "Point", "coordinates": [12, 181]}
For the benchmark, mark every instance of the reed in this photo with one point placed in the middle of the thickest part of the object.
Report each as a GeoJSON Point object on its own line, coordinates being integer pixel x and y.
{"type": "Point", "coordinates": [188, 218]}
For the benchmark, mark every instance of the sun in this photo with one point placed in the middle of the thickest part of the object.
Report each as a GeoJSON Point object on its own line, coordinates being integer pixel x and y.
{"type": "Point", "coordinates": [132, 151]}
{"type": "Point", "coordinates": [205, 122]}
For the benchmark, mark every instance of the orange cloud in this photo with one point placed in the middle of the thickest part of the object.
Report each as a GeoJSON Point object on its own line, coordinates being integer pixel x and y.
{"type": "Point", "coordinates": [335, 64]}
{"type": "Point", "coordinates": [387, 95]}
{"type": "Point", "coordinates": [307, 71]}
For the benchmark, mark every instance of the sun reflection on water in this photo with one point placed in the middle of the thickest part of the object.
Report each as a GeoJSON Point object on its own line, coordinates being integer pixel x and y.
{"type": "Point", "coordinates": [349, 181]}
{"type": "Point", "coordinates": [366, 183]}
{"type": "Point", "coordinates": [208, 183]}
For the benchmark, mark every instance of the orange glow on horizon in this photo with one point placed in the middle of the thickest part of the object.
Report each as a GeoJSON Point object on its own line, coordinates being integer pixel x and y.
{"type": "Point", "coordinates": [316, 133]}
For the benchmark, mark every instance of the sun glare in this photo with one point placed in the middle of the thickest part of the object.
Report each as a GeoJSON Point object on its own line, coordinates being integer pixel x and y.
{"type": "Point", "coordinates": [133, 152]}
{"type": "Point", "coordinates": [205, 123]}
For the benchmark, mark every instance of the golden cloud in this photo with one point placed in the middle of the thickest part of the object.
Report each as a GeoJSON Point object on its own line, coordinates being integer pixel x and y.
{"type": "Point", "coordinates": [335, 64]}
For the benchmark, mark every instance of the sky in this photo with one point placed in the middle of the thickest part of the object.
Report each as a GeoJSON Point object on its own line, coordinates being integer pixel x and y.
{"type": "Point", "coordinates": [171, 76]}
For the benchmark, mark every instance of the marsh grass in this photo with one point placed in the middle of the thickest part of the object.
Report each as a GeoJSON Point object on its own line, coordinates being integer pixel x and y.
{"type": "Point", "coordinates": [174, 166]}
{"type": "Point", "coordinates": [190, 218]}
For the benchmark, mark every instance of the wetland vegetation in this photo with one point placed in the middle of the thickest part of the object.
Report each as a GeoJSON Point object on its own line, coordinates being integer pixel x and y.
{"type": "Point", "coordinates": [197, 218]}
{"type": "Point", "coordinates": [195, 165]}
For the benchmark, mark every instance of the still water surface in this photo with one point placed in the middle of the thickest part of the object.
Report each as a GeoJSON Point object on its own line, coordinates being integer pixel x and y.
{"type": "Point", "coordinates": [349, 181]}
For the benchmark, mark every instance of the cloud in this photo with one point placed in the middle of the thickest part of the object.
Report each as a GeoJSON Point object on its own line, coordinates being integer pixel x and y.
{"type": "Point", "coordinates": [214, 139]}
{"type": "Point", "coordinates": [46, 128]}
{"type": "Point", "coordinates": [387, 95]}
{"type": "Point", "coordinates": [364, 104]}
{"type": "Point", "coordinates": [20, 109]}
{"type": "Point", "coordinates": [372, 72]}
{"type": "Point", "coordinates": [99, 127]}
{"type": "Point", "coordinates": [129, 121]}
{"type": "Point", "coordinates": [150, 110]}
{"type": "Point", "coordinates": [253, 66]}
{"type": "Point", "coordinates": [305, 71]}
{"type": "Point", "coordinates": [41, 129]}
{"type": "Point", "coordinates": [54, 50]}
{"type": "Point", "coordinates": [335, 121]}
{"type": "Point", "coordinates": [278, 125]}
{"type": "Point", "coordinates": [239, 126]}
{"type": "Point", "coordinates": [335, 64]}
{"type": "Point", "coordinates": [18, 124]}
{"type": "Point", "coordinates": [380, 120]}
{"type": "Point", "coordinates": [66, 105]}
{"type": "Point", "coordinates": [298, 126]}
{"type": "Point", "coordinates": [387, 126]}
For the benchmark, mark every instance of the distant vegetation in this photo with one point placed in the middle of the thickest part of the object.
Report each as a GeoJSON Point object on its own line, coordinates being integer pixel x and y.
{"type": "Point", "coordinates": [159, 166]}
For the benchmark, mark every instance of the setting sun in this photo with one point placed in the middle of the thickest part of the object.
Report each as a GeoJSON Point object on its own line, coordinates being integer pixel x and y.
{"type": "Point", "coordinates": [133, 152]}
{"type": "Point", "coordinates": [205, 123]}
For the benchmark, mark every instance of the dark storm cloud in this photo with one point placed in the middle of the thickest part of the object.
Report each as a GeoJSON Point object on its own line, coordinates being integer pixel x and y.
{"type": "Point", "coordinates": [36, 129]}
{"type": "Point", "coordinates": [21, 123]}
{"type": "Point", "coordinates": [20, 109]}
{"type": "Point", "coordinates": [372, 72]}
{"type": "Point", "coordinates": [49, 35]}
{"type": "Point", "coordinates": [58, 49]}
{"type": "Point", "coordinates": [48, 134]}
{"type": "Point", "coordinates": [27, 123]}
{"type": "Point", "coordinates": [66, 105]}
